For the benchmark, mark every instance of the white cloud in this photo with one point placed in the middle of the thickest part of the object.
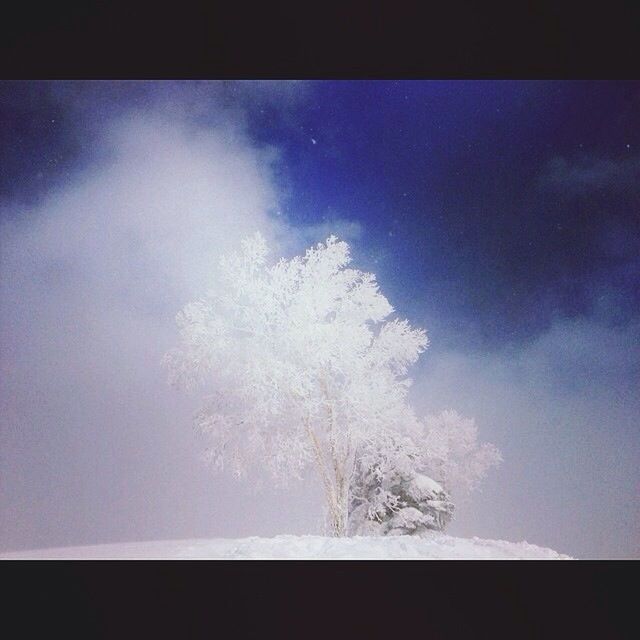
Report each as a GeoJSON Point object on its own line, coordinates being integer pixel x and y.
{"type": "Point", "coordinates": [94, 444]}
{"type": "Point", "coordinates": [591, 173]}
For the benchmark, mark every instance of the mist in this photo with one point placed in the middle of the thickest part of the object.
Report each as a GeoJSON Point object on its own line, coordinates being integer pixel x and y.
{"type": "Point", "coordinates": [95, 445]}
{"type": "Point", "coordinates": [563, 409]}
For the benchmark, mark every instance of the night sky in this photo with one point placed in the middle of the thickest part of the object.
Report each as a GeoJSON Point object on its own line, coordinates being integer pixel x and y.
{"type": "Point", "coordinates": [498, 201]}
{"type": "Point", "coordinates": [502, 216]}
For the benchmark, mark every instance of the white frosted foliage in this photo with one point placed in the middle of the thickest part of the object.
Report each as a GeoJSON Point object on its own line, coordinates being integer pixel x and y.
{"type": "Point", "coordinates": [301, 363]}
{"type": "Point", "coordinates": [454, 455]}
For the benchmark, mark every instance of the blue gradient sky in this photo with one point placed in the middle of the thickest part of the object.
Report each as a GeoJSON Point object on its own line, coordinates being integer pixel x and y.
{"type": "Point", "coordinates": [504, 217]}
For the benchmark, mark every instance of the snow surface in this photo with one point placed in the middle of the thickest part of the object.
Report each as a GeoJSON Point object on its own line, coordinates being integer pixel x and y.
{"type": "Point", "coordinates": [423, 486]}
{"type": "Point", "coordinates": [432, 546]}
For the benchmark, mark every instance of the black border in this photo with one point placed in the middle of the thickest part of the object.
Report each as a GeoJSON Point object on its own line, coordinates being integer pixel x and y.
{"type": "Point", "coordinates": [239, 39]}
{"type": "Point", "coordinates": [329, 599]}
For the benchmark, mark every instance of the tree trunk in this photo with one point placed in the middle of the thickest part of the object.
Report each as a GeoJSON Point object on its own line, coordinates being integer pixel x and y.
{"type": "Point", "coordinates": [336, 484]}
{"type": "Point", "coordinates": [337, 520]}
{"type": "Point", "coordinates": [340, 515]}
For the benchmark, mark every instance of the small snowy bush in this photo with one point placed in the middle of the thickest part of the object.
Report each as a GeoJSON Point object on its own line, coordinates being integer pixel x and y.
{"type": "Point", "coordinates": [394, 491]}
{"type": "Point", "coordinates": [391, 496]}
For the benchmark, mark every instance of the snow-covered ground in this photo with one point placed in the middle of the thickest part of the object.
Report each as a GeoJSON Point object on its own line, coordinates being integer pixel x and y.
{"type": "Point", "coordinates": [287, 547]}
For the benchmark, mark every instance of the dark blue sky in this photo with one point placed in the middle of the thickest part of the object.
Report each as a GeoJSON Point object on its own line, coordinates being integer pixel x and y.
{"type": "Point", "coordinates": [455, 184]}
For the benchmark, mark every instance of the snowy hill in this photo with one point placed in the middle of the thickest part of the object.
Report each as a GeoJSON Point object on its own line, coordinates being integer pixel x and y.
{"type": "Point", "coordinates": [288, 547]}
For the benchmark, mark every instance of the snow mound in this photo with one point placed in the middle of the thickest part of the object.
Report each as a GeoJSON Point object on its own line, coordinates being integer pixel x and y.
{"type": "Point", "coordinates": [431, 546]}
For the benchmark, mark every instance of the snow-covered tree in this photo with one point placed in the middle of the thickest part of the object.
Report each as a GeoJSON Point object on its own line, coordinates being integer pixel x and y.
{"type": "Point", "coordinates": [391, 494]}
{"type": "Point", "coordinates": [453, 455]}
{"type": "Point", "coordinates": [404, 484]}
{"type": "Point", "coordinates": [302, 365]}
